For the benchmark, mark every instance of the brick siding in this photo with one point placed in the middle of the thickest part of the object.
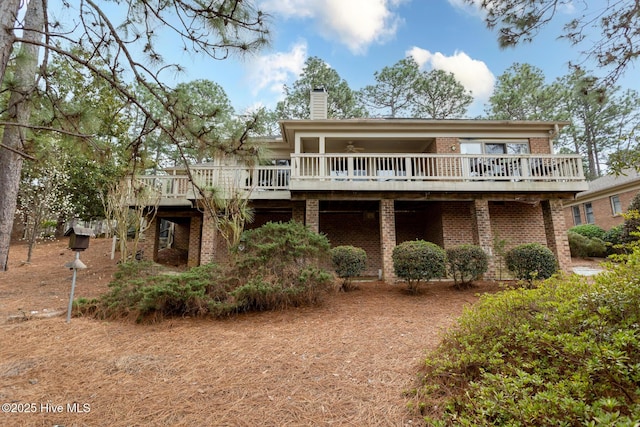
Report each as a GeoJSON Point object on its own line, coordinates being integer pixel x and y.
{"type": "Point", "coordinates": [539, 146]}
{"type": "Point", "coordinates": [195, 230]}
{"type": "Point", "coordinates": [363, 231]}
{"type": "Point", "coordinates": [387, 238]}
{"type": "Point", "coordinates": [457, 224]}
{"type": "Point", "coordinates": [208, 242]}
{"type": "Point", "coordinates": [312, 214]}
{"type": "Point", "coordinates": [556, 232]}
{"type": "Point", "coordinates": [603, 214]}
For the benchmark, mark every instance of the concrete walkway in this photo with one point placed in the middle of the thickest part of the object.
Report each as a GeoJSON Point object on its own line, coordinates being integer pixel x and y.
{"type": "Point", "coordinates": [587, 271]}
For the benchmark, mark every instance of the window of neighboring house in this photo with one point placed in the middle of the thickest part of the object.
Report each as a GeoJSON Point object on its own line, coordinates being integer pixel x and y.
{"type": "Point", "coordinates": [577, 218]}
{"type": "Point", "coordinates": [616, 207]}
{"type": "Point", "coordinates": [588, 213]}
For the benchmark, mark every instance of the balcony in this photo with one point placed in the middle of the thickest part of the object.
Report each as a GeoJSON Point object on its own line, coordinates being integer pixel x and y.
{"type": "Point", "coordinates": [380, 172]}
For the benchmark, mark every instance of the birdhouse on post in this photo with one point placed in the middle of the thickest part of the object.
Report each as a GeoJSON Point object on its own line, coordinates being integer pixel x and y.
{"type": "Point", "coordinates": [78, 238]}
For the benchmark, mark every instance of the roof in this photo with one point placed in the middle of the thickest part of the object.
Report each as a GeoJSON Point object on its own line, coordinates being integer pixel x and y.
{"type": "Point", "coordinates": [457, 127]}
{"type": "Point", "coordinates": [628, 178]}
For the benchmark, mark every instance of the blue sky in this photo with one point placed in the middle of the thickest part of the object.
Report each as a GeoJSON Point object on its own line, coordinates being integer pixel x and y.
{"type": "Point", "coordinates": [360, 37]}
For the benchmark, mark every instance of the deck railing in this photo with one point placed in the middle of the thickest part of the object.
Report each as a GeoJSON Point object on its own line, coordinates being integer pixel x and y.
{"type": "Point", "coordinates": [436, 167]}
{"type": "Point", "coordinates": [376, 168]}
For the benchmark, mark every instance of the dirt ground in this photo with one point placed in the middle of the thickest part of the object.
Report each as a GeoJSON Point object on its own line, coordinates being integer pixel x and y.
{"type": "Point", "coordinates": [344, 363]}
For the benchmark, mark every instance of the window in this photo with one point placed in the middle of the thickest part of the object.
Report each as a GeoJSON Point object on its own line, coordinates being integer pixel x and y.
{"type": "Point", "coordinates": [493, 163]}
{"type": "Point", "coordinates": [616, 207]}
{"type": "Point", "coordinates": [577, 219]}
{"type": "Point", "coordinates": [494, 147]}
{"type": "Point", "coordinates": [588, 213]}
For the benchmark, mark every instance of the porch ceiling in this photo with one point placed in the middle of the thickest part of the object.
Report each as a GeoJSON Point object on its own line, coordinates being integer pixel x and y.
{"type": "Point", "coordinates": [356, 144]}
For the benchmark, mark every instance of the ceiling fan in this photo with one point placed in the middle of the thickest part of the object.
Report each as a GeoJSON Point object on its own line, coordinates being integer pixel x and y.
{"type": "Point", "coordinates": [350, 148]}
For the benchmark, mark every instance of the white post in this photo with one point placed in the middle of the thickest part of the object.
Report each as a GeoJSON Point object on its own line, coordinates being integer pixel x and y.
{"type": "Point", "coordinates": [73, 287]}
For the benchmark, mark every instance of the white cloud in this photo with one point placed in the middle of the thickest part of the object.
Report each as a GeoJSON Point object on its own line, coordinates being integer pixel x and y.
{"type": "Point", "coordinates": [473, 74]}
{"type": "Point", "coordinates": [353, 23]}
{"type": "Point", "coordinates": [474, 8]}
{"type": "Point", "coordinates": [272, 71]}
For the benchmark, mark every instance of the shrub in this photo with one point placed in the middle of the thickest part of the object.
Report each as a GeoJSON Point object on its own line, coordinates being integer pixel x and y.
{"type": "Point", "coordinates": [276, 246]}
{"type": "Point", "coordinates": [612, 236]}
{"type": "Point", "coordinates": [562, 354]}
{"type": "Point", "coordinates": [588, 230]}
{"type": "Point", "coordinates": [582, 246]}
{"type": "Point", "coordinates": [613, 240]}
{"type": "Point", "coordinates": [631, 221]}
{"type": "Point", "coordinates": [531, 261]}
{"type": "Point", "coordinates": [276, 268]}
{"type": "Point", "coordinates": [418, 260]}
{"type": "Point", "coordinates": [466, 264]}
{"type": "Point", "coordinates": [348, 262]}
{"type": "Point", "coordinates": [143, 291]}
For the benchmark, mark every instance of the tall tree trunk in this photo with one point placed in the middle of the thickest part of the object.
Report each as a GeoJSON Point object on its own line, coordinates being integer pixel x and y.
{"type": "Point", "coordinates": [19, 111]}
{"type": "Point", "coordinates": [8, 12]}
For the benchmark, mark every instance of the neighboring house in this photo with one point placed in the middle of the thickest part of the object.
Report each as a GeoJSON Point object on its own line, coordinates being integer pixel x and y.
{"type": "Point", "coordinates": [604, 202]}
{"type": "Point", "coordinates": [374, 183]}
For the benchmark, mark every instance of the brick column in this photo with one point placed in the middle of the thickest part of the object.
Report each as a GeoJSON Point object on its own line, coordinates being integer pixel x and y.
{"type": "Point", "coordinates": [484, 235]}
{"type": "Point", "coordinates": [195, 230]}
{"type": "Point", "coordinates": [556, 232]}
{"type": "Point", "coordinates": [387, 238]}
{"type": "Point", "coordinates": [208, 239]}
{"type": "Point", "coordinates": [150, 244]}
{"type": "Point", "coordinates": [312, 215]}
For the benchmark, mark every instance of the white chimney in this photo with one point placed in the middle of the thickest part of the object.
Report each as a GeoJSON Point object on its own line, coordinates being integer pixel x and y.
{"type": "Point", "coordinates": [318, 104]}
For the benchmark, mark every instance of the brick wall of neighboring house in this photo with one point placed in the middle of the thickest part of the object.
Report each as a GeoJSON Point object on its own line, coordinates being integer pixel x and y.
{"type": "Point", "coordinates": [359, 229]}
{"type": "Point", "coordinates": [602, 211]}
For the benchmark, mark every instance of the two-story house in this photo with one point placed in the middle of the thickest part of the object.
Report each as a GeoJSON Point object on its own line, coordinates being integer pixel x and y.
{"type": "Point", "coordinates": [374, 183]}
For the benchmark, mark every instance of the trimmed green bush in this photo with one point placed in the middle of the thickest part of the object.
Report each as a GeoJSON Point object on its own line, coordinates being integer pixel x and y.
{"type": "Point", "coordinates": [563, 354]}
{"type": "Point", "coordinates": [589, 230]}
{"type": "Point", "coordinates": [531, 261]}
{"type": "Point", "coordinates": [418, 260]}
{"type": "Point", "coordinates": [583, 247]}
{"type": "Point", "coordinates": [348, 262]}
{"type": "Point", "coordinates": [466, 264]}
